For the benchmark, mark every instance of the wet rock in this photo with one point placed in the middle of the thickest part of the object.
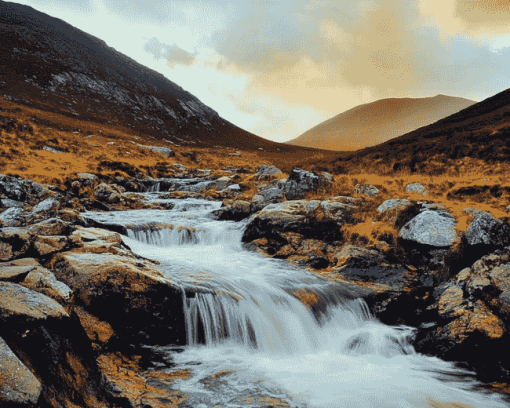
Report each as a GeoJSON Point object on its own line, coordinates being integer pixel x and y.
{"type": "Point", "coordinates": [366, 190]}
{"type": "Point", "coordinates": [430, 228]}
{"type": "Point", "coordinates": [237, 211]}
{"type": "Point", "coordinates": [318, 262]}
{"type": "Point", "coordinates": [13, 217]}
{"type": "Point", "coordinates": [128, 293]}
{"type": "Point", "coordinates": [416, 188]}
{"type": "Point", "coordinates": [104, 191]}
{"type": "Point", "coordinates": [394, 204]}
{"type": "Point", "coordinates": [487, 230]}
{"type": "Point", "coordinates": [18, 386]}
{"type": "Point", "coordinates": [222, 182]}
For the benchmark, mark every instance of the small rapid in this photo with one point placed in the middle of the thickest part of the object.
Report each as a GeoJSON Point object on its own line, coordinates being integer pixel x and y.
{"type": "Point", "coordinates": [248, 320]}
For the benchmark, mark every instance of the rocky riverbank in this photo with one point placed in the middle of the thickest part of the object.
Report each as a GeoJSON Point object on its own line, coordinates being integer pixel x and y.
{"type": "Point", "coordinates": [74, 298]}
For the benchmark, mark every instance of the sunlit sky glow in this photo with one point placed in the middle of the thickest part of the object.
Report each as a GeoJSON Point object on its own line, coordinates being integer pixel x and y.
{"type": "Point", "coordinates": [279, 67]}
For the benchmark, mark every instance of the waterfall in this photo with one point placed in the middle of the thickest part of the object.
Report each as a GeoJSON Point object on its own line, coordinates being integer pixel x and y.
{"type": "Point", "coordinates": [247, 319]}
{"type": "Point", "coordinates": [150, 187]}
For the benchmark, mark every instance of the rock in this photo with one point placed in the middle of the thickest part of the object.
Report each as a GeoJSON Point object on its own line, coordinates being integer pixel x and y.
{"type": "Point", "coordinates": [14, 242]}
{"type": "Point", "coordinates": [23, 190]}
{"type": "Point", "coordinates": [18, 386]}
{"type": "Point", "coordinates": [13, 217]}
{"type": "Point", "coordinates": [394, 204]}
{"type": "Point", "coordinates": [163, 150]}
{"type": "Point", "coordinates": [87, 179]}
{"type": "Point", "coordinates": [128, 293]}
{"type": "Point", "coordinates": [487, 230]}
{"type": "Point", "coordinates": [353, 256]}
{"type": "Point", "coordinates": [46, 208]}
{"type": "Point", "coordinates": [180, 166]}
{"type": "Point", "coordinates": [237, 211]}
{"type": "Point", "coordinates": [18, 302]}
{"type": "Point", "coordinates": [104, 191]}
{"type": "Point", "coordinates": [300, 182]}
{"type": "Point", "coordinates": [13, 273]}
{"type": "Point", "coordinates": [416, 188]}
{"type": "Point", "coordinates": [430, 228]}
{"type": "Point", "coordinates": [46, 245]}
{"type": "Point", "coordinates": [265, 172]}
{"type": "Point", "coordinates": [6, 203]}
{"type": "Point", "coordinates": [275, 221]}
{"type": "Point", "coordinates": [42, 280]}
{"type": "Point", "coordinates": [198, 187]}
{"type": "Point", "coordinates": [233, 187]}
{"type": "Point", "coordinates": [222, 182]}
{"type": "Point", "coordinates": [51, 226]}
{"type": "Point", "coordinates": [366, 190]}
{"type": "Point", "coordinates": [52, 149]}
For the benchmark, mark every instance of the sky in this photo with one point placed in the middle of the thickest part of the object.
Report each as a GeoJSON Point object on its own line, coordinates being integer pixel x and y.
{"type": "Point", "coordinates": [279, 67]}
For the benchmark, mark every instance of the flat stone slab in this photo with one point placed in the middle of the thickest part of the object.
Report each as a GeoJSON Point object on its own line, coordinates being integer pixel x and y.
{"type": "Point", "coordinates": [16, 300]}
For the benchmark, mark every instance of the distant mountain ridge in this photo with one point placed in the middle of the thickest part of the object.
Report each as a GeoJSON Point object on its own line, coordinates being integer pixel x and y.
{"type": "Point", "coordinates": [373, 123]}
{"type": "Point", "coordinates": [48, 64]}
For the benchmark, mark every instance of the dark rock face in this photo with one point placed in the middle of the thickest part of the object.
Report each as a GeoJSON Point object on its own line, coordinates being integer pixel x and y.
{"type": "Point", "coordinates": [471, 313]}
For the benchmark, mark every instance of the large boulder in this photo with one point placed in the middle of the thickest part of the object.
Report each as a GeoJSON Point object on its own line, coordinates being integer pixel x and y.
{"type": "Point", "coordinates": [430, 228]}
{"type": "Point", "coordinates": [270, 226]}
{"type": "Point", "coordinates": [300, 182]}
{"type": "Point", "coordinates": [487, 230]}
{"type": "Point", "coordinates": [127, 292]}
{"type": "Point", "coordinates": [18, 386]}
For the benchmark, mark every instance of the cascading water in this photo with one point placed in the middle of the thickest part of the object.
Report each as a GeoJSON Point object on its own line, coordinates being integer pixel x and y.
{"type": "Point", "coordinates": [247, 321]}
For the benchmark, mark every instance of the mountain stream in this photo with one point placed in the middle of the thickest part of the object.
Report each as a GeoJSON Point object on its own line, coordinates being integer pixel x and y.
{"type": "Point", "coordinates": [266, 344]}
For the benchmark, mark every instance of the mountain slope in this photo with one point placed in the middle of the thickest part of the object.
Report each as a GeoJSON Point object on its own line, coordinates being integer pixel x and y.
{"type": "Point", "coordinates": [51, 65]}
{"type": "Point", "coordinates": [480, 134]}
{"type": "Point", "coordinates": [374, 123]}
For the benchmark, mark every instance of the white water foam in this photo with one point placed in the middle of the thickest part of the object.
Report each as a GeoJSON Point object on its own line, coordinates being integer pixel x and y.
{"type": "Point", "coordinates": [250, 323]}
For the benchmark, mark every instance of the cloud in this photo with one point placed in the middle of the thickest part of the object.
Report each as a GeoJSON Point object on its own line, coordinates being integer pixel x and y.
{"type": "Point", "coordinates": [173, 54]}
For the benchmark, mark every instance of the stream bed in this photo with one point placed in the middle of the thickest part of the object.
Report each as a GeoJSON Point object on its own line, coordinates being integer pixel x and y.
{"type": "Point", "coordinates": [252, 343]}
